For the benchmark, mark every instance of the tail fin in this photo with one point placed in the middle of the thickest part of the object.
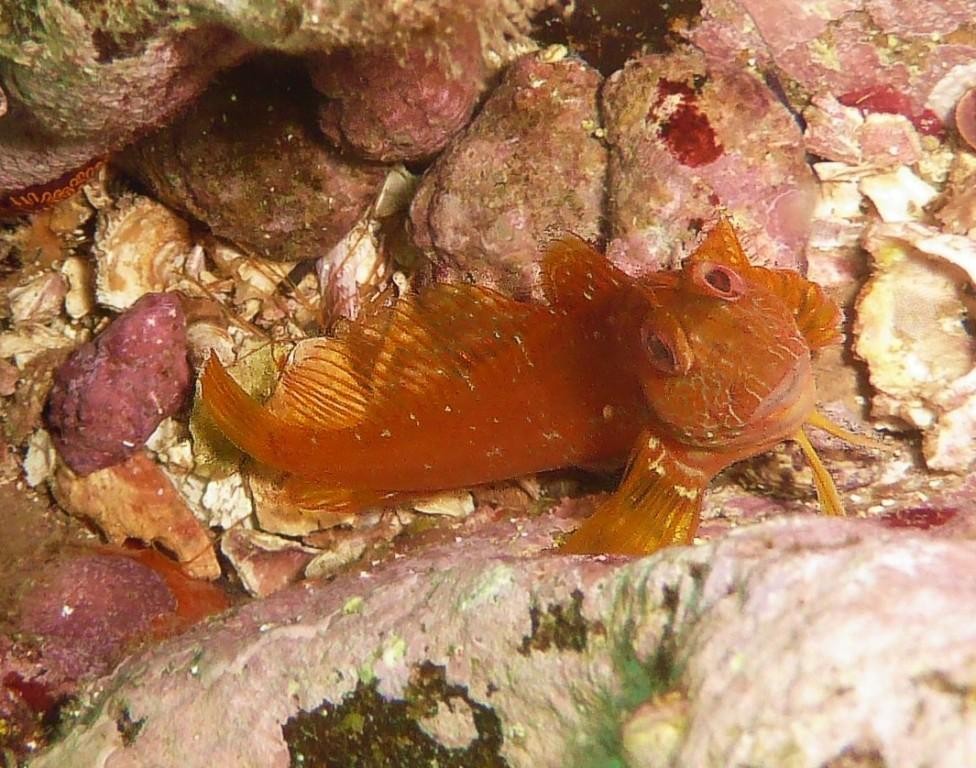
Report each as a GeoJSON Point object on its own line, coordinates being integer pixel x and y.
{"type": "Point", "coordinates": [246, 423]}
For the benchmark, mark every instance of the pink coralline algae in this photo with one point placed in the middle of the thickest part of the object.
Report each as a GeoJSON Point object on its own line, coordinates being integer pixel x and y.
{"type": "Point", "coordinates": [966, 118]}
{"type": "Point", "coordinates": [680, 149]}
{"type": "Point", "coordinates": [401, 106]}
{"type": "Point", "coordinates": [110, 394]}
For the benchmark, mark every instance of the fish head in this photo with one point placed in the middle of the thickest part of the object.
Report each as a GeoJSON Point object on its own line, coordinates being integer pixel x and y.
{"type": "Point", "coordinates": [724, 351]}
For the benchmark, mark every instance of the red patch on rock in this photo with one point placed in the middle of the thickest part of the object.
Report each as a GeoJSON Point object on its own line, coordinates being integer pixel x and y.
{"type": "Point", "coordinates": [887, 100]}
{"type": "Point", "coordinates": [684, 128]}
{"type": "Point", "coordinates": [920, 518]}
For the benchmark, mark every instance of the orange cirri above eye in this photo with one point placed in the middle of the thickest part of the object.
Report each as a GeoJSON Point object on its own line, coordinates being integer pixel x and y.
{"type": "Point", "coordinates": [666, 353]}
{"type": "Point", "coordinates": [717, 280]}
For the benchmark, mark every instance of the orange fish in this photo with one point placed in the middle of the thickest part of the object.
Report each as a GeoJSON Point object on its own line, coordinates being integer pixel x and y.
{"type": "Point", "coordinates": [685, 372]}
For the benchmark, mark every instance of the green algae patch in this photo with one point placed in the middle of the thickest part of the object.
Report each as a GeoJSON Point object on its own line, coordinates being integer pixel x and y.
{"type": "Point", "coordinates": [640, 679]}
{"type": "Point", "coordinates": [366, 730]}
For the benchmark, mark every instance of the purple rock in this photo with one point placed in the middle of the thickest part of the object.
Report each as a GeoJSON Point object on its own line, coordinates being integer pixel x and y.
{"type": "Point", "coordinates": [110, 394]}
{"type": "Point", "coordinates": [83, 611]}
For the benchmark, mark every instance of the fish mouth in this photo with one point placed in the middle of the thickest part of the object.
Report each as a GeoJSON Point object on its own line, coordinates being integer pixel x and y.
{"type": "Point", "coordinates": [783, 411]}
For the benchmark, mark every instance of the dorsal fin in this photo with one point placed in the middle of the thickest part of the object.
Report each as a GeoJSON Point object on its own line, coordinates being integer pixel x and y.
{"type": "Point", "coordinates": [721, 246]}
{"type": "Point", "coordinates": [428, 342]}
{"type": "Point", "coordinates": [574, 273]}
{"type": "Point", "coordinates": [817, 316]}
{"type": "Point", "coordinates": [438, 337]}
{"type": "Point", "coordinates": [324, 385]}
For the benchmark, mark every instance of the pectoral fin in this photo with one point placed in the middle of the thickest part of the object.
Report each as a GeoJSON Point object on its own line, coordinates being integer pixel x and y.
{"type": "Point", "coordinates": [658, 504]}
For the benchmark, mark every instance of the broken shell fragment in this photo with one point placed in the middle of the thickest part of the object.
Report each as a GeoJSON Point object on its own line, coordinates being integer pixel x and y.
{"type": "Point", "coordinates": [140, 247]}
{"type": "Point", "coordinates": [265, 563]}
{"type": "Point", "coordinates": [899, 195]}
{"type": "Point", "coordinates": [912, 332]}
{"type": "Point", "coordinates": [38, 300]}
{"type": "Point", "coordinates": [79, 300]}
{"type": "Point", "coordinates": [136, 500]}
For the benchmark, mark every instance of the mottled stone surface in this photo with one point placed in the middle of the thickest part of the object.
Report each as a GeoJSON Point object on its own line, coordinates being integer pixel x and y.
{"type": "Point", "coordinates": [918, 55]}
{"type": "Point", "coordinates": [402, 103]}
{"type": "Point", "coordinates": [110, 394]}
{"type": "Point", "coordinates": [529, 164]}
{"type": "Point", "coordinates": [81, 82]}
{"type": "Point", "coordinates": [552, 661]}
{"type": "Point", "coordinates": [87, 607]}
{"type": "Point", "coordinates": [248, 161]}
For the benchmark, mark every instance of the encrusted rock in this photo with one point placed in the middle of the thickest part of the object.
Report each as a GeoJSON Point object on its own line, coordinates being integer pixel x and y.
{"type": "Point", "coordinates": [90, 79]}
{"type": "Point", "coordinates": [110, 394]}
{"type": "Point", "coordinates": [529, 165]}
{"type": "Point", "coordinates": [476, 654]}
{"type": "Point", "coordinates": [689, 139]}
{"type": "Point", "coordinates": [136, 500]}
{"type": "Point", "coordinates": [87, 607]}
{"type": "Point", "coordinates": [402, 103]}
{"type": "Point", "coordinates": [889, 57]}
{"type": "Point", "coordinates": [246, 161]}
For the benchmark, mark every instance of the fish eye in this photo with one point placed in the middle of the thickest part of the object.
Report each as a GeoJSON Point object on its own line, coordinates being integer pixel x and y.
{"type": "Point", "coordinates": [665, 353]}
{"type": "Point", "coordinates": [718, 280]}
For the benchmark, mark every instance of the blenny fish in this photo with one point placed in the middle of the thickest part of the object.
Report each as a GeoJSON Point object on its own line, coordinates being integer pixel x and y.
{"type": "Point", "coordinates": [674, 374]}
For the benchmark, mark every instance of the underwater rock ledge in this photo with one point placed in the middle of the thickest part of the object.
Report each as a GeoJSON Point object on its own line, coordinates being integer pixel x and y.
{"type": "Point", "coordinates": [798, 642]}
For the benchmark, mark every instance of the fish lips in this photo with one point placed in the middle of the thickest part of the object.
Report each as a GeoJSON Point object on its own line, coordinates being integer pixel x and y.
{"type": "Point", "coordinates": [783, 411]}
